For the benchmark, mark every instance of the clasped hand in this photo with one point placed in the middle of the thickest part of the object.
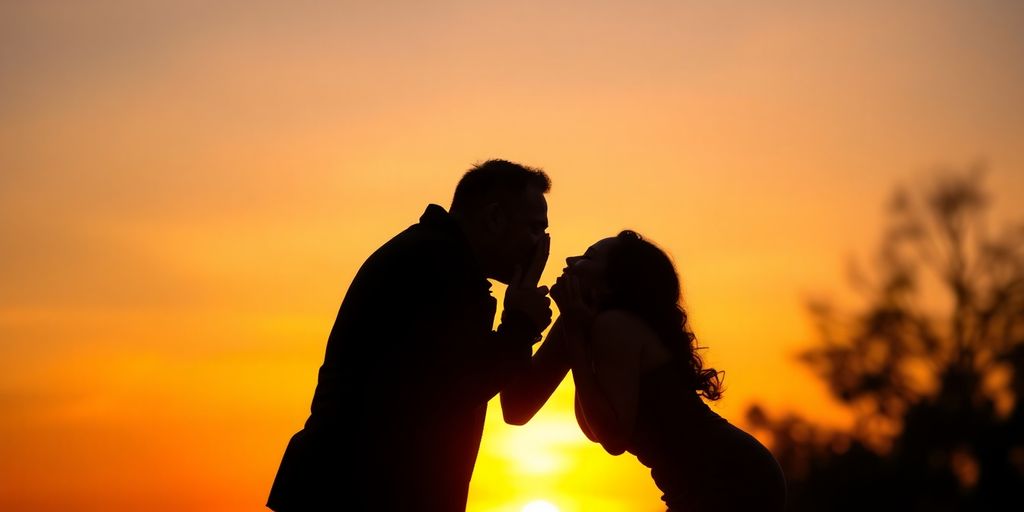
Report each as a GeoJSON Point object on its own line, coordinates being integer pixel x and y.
{"type": "Point", "coordinates": [524, 295]}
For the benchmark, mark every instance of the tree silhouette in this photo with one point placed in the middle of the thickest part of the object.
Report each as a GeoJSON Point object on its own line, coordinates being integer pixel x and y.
{"type": "Point", "coordinates": [932, 367]}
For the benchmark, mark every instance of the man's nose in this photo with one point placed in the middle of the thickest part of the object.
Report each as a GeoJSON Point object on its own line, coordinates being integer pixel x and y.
{"type": "Point", "coordinates": [571, 260]}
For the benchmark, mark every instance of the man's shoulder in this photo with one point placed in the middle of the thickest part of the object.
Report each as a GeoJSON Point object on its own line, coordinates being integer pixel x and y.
{"type": "Point", "coordinates": [418, 247]}
{"type": "Point", "coordinates": [418, 241]}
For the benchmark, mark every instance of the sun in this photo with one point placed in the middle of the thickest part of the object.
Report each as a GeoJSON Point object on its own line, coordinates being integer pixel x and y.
{"type": "Point", "coordinates": [539, 506]}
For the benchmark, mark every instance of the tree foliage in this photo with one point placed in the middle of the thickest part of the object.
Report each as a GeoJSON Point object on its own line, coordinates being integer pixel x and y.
{"type": "Point", "coordinates": [932, 366]}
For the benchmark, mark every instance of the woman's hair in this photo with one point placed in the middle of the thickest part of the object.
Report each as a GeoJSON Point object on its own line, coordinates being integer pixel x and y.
{"type": "Point", "coordinates": [643, 281]}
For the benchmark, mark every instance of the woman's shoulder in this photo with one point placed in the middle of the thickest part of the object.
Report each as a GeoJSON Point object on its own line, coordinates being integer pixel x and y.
{"type": "Point", "coordinates": [620, 327]}
{"type": "Point", "coordinates": [623, 332]}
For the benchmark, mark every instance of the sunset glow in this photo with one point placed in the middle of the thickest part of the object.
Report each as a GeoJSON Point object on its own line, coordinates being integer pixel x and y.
{"type": "Point", "coordinates": [187, 189]}
{"type": "Point", "coordinates": [539, 506]}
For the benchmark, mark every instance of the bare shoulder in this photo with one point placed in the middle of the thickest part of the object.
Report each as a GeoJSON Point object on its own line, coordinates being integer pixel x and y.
{"type": "Point", "coordinates": [620, 331]}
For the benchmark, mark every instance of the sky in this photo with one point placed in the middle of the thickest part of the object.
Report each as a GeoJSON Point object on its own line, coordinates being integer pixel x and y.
{"type": "Point", "coordinates": [188, 187]}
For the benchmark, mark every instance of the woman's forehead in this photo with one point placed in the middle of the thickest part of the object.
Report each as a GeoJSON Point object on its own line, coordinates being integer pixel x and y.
{"type": "Point", "coordinates": [601, 247]}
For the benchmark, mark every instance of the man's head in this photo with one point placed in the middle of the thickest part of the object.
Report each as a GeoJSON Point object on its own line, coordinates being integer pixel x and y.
{"type": "Point", "coordinates": [501, 207]}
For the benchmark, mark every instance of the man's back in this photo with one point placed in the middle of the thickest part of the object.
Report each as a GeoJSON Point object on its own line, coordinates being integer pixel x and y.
{"type": "Point", "coordinates": [391, 405]}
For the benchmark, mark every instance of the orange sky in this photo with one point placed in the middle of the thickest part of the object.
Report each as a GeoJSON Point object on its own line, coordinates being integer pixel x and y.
{"type": "Point", "coordinates": [186, 190]}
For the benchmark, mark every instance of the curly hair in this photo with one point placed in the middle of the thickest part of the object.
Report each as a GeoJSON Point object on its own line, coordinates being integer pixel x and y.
{"type": "Point", "coordinates": [643, 281]}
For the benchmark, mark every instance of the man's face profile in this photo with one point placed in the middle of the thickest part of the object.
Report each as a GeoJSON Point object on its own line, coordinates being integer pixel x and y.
{"type": "Point", "coordinates": [527, 221]}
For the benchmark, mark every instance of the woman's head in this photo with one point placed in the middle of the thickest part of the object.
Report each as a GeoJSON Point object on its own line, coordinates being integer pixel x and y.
{"type": "Point", "coordinates": [590, 269]}
{"type": "Point", "coordinates": [627, 272]}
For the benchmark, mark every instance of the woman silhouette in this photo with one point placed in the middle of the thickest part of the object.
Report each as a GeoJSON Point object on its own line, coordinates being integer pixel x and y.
{"type": "Point", "coordinates": [640, 382]}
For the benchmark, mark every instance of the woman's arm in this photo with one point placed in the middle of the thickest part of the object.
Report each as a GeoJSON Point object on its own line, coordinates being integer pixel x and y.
{"type": "Point", "coordinates": [581, 419]}
{"type": "Point", "coordinates": [607, 374]}
{"type": "Point", "coordinates": [527, 392]}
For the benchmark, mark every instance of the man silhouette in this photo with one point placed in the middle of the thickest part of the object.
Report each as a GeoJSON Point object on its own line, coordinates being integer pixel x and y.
{"type": "Point", "coordinates": [412, 359]}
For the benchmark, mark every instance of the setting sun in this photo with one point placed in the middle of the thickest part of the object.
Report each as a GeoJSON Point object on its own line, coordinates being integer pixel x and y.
{"type": "Point", "coordinates": [539, 506]}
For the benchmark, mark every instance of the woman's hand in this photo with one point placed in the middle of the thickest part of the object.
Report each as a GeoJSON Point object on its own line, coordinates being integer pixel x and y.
{"type": "Point", "coordinates": [576, 301]}
{"type": "Point", "coordinates": [577, 308]}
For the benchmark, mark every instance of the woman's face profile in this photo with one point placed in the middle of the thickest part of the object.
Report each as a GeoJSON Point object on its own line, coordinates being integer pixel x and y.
{"type": "Point", "coordinates": [590, 268]}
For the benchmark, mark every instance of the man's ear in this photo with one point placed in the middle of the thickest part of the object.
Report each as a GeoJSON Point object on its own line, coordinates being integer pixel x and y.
{"type": "Point", "coordinates": [495, 218]}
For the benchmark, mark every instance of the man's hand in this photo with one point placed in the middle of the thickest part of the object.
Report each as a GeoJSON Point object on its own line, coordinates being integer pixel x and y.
{"type": "Point", "coordinates": [523, 294]}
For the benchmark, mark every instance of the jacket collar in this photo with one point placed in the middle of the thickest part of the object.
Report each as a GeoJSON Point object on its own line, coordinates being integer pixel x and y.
{"type": "Point", "coordinates": [436, 217]}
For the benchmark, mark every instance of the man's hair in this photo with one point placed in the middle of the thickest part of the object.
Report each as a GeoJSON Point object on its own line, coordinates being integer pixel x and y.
{"type": "Point", "coordinates": [496, 181]}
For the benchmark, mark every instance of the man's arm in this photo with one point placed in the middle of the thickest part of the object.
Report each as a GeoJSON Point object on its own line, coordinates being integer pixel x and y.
{"type": "Point", "coordinates": [477, 362]}
{"type": "Point", "coordinates": [471, 364]}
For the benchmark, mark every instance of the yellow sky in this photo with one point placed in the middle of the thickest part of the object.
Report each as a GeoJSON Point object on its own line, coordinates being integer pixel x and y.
{"type": "Point", "coordinates": [186, 191]}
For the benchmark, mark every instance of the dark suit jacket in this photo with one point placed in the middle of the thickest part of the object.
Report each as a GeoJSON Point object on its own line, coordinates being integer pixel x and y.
{"type": "Point", "coordinates": [411, 362]}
